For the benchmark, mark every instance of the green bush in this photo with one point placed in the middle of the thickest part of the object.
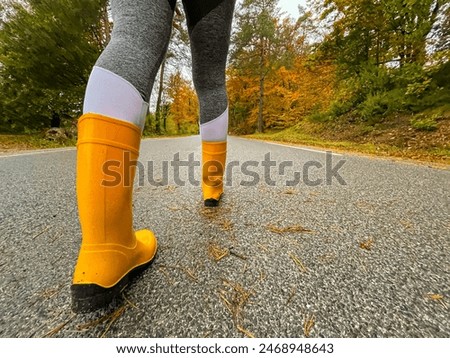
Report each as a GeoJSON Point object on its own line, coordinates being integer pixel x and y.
{"type": "Point", "coordinates": [382, 104]}
{"type": "Point", "coordinates": [425, 123]}
{"type": "Point", "coordinates": [320, 117]}
{"type": "Point", "coordinates": [339, 108]}
{"type": "Point", "coordinates": [442, 76]}
{"type": "Point", "coordinates": [374, 79]}
{"type": "Point", "coordinates": [435, 98]}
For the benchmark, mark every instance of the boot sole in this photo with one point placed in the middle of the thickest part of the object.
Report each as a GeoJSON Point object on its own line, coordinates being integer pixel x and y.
{"type": "Point", "coordinates": [213, 203]}
{"type": "Point", "coordinates": [91, 297]}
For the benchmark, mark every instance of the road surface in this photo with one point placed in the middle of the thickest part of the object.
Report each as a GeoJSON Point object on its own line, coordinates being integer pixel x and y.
{"type": "Point", "coordinates": [362, 251]}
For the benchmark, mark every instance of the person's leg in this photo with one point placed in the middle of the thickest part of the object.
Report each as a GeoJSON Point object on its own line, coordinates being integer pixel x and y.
{"type": "Point", "coordinates": [109, 134]}
{"type": "Point", "coordinates": [209, 24]}
{"type": "Point", "coordinates": [122, 79]}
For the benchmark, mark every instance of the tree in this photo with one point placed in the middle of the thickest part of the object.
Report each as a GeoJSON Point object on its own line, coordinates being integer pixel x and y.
{"type": "Point", "coordinates": [253, 44]}
{"type": "Point", "coordinates": [47, 49]}
{"type": "Point", "coordinates": [176, 55]}
{"type": "Point", "coordinates": [442, 33]}
{"type": "Point", "coordinates": [184, 104]}
{"type": "Point", "coordinates": [293, 93]}
{"type": "Point", "coordinates": [357, 33]}
{"type": "Point", "coordinates": [379, 47]}
{"type": "Point", "coordinates": [268, 54]}
{"type": "Point", "coordinates": [410, 23]}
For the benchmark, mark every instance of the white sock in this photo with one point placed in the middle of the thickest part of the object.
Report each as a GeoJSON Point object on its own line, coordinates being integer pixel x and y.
{"type": "Point", "coordinates": [110, 95]}
{"type": "Point", "coordinates": [215, 130]}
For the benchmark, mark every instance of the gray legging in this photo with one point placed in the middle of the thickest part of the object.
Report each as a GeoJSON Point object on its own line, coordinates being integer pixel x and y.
{"type": "Point", "coordinates": [140, 38]}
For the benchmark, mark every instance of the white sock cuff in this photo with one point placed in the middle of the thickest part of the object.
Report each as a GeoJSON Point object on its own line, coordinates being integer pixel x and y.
{"type": "Point", "coordinates": [110, 95]}
{"type": "Point", "coordinates": [215, 130]}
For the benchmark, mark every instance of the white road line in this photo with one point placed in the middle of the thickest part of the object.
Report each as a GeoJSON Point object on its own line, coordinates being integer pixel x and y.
{"type": "Point", "coordinates": [35, 152]}
{"type": "Point", "coordinates": [301, 148]}
{"type": "Point", "coordinates": [307, 149]}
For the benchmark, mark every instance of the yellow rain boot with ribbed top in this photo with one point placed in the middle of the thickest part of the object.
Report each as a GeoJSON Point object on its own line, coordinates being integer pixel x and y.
{"type": "Point", "coordinates": [110, 249]}
{"type": "Point", "coordinates": [214, 155]}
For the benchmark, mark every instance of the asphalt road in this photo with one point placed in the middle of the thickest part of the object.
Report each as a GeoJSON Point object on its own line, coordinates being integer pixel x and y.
{"type": "Point", "coordinates": [366, 259]}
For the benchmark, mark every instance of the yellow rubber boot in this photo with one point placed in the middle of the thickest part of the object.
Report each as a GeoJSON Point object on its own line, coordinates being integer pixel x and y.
{"type": "Point", "coordinates": [214, 155]}
{"type": "Point", "coordinates": [110, 250]}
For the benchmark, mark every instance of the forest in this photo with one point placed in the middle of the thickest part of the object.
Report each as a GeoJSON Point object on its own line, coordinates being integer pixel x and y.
{"type": "Point", "coordinates": [355, 70]}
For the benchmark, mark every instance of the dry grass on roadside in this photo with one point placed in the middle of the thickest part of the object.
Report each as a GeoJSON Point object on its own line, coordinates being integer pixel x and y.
{"type": "Point", "coordinates": [437, 298]}
{"type": "Point", "coordinates": [407, 224]}
{"type": "Point", "coordinates": [57, 329]}
{"type": "Point", "coordinates": [292, 293]}
{"type": "Point", "coordinates": [235, 298]}
{"type": "Point", "coordinates": [213, 213]}
{"type": "Point", "coordinates": [226, 225]}
{"type": "Point", "coordinates": [50, 292]}
{"type": "Point", "coordinates": [190, 273]}
{"type": "Point", "coordinates": [18, 142]}
{"type": "Point", "coordinates": [217, 252]}
{"type": "Point", "coordinates": [366, 245]}
{"type": "Point", "coordinates": [308, 325]}
{"type": "Point", "coordinates": [397, 140]}
{"type": "Point", "coordinates": [167, 276]}
{"type": "Point", "coordinates": [302, 268]}
{"type": "Point", "coordinates": [288, 229]}
{"type": "Point", "coordinates": [108, 319]}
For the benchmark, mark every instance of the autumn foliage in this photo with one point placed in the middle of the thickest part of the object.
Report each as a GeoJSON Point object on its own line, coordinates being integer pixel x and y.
{"type": "Point", "coordinates": [184, 104]}
{"type": "Point", "coordinates": [291, 94]}
{"type": "Point", "coordinates": [338, 59]}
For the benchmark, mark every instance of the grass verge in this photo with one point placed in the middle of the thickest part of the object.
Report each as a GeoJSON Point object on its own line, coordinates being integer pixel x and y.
{"type": "Point", "coordinates": [18, 142]}
{"type": "Point", "coordinates": [393, 137]}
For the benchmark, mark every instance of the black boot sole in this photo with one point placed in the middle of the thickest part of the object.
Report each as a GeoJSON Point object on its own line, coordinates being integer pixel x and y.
{"type": "Point", "coordinates": [91, 297]}
{"type": "Point", "coordinates": [211, 203]}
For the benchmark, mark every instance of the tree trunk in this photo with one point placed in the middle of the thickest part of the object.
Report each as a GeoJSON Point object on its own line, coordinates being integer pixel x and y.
{"type": "Point", "coordinates": [261, 105]}
{"type": "Point", "coordinates": [261, 87]}
{"type": "Point", "coordinates": [158, 101]}
{"type": "Point", "coordinates": [165, 115]}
